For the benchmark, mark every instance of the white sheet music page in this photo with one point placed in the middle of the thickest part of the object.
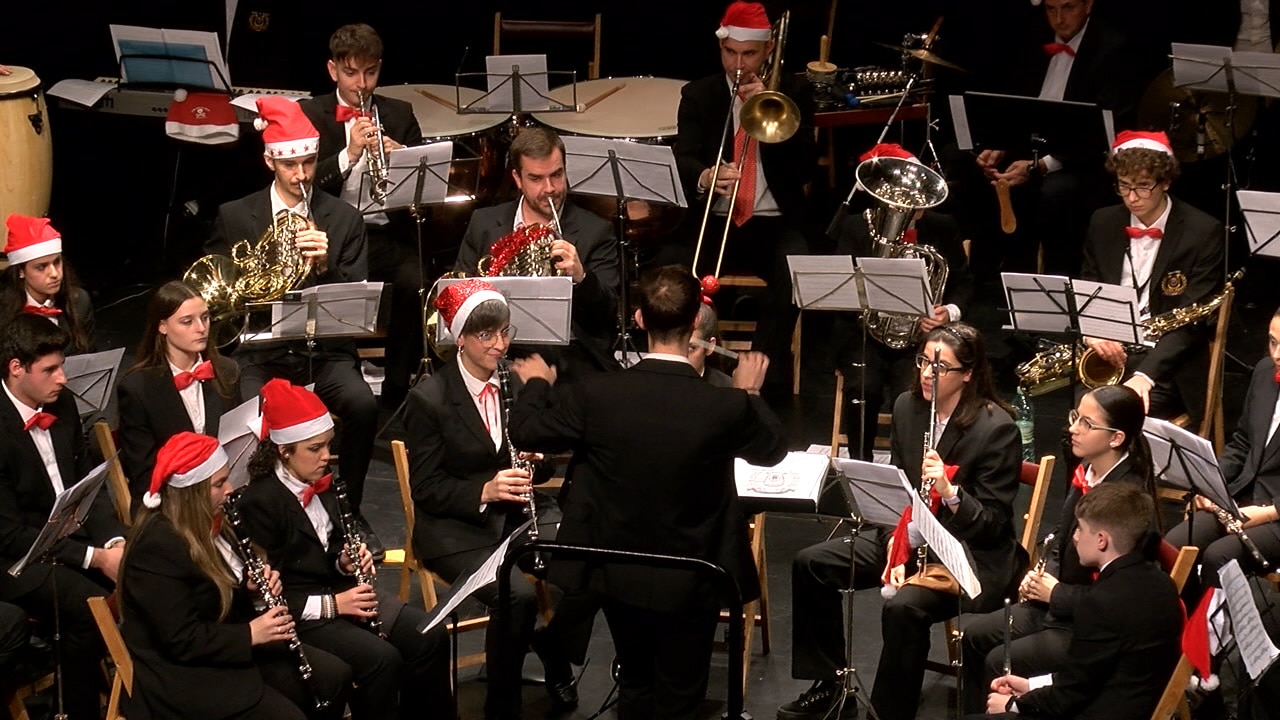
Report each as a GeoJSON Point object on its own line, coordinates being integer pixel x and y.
{"type": "Point", "coordinates": [960, 121]}
{"type": "Point", "coordinates": [949, 550]}
{"type": "Point", "coordinates": [1255, 644]}
{"type": "Point", "coordinates": [1256, 74]}
{"type": "Point", "coordinates": [896, 285]}
{"type": "Point", "coordinates": [1200, 66]}
{"type": "Point", "coordinates": [1261, 220]}
{"type": "Point", "coordinates": [824, 282]}
{"type": "Point", "coordinates": [799, 476]}
{"type": "Point", "coordinates": [487, 573]}
{"type": "Point", "coordinates": [1191, 465]}
{"type": "Point", "coordinates": [1107, 311]}
{"type": "Point", "coordinates": [1037, 303]}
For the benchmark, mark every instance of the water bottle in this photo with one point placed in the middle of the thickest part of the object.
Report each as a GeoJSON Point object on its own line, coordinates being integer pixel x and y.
{"type": "Point", "coordinates": [1026, 420]}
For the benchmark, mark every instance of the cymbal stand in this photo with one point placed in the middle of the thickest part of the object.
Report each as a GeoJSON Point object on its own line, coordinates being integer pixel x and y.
{"type": "Point", "coordinates": [850, 682]}
{"type": "Point", "coordinates": [1231, 185]}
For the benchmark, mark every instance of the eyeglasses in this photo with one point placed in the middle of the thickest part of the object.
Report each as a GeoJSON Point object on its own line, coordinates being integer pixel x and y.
{"type": "Point", "coordinates": [489, 339]}
{"type": "Point", "coordinates": [1074, 417]}
{"type": "Point", "coordinates": [923, 362]}
{"type": "Point", "coordinates": [1142, 191]}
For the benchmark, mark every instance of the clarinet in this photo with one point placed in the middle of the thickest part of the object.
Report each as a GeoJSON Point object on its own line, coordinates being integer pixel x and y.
{"type": "Point", "coordinates": [256, 570]}
{"type": "Point", "coordinates": [353, 541]}
{"type": "Point", "coordinates": [1042, 559]}
{"type": "Point", "coordinates": [1235, 527]}
{"type": "Point", "coordinates": [518, 463]}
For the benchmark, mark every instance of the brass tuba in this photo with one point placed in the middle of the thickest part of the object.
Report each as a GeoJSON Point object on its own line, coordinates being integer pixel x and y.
{"type": "Point", "coordinates": [900, 188]}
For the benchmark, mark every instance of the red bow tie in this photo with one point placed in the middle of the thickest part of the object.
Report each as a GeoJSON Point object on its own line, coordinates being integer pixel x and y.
{"type": "Point", "coordinates": [41, 310]}
{"type": "Point", "coordinates": [1151, 232]}
{"type": "Point", "coordinates": [345, 113]}
{"type": "Point", "coordinates": [42, 420]}
{"type": "Point", "coordinates": [1079, 480]}
{"type": "Point", "coordinates": [1277, 376]}
{"type": "Point", "coordinates": [909, 236]}
{"type": "Point", "coordinates": [202, 372]}
{"type": "Point", "coordinates": [1052, 49]}
{"type": "Point", "coordinates": [315, 488]}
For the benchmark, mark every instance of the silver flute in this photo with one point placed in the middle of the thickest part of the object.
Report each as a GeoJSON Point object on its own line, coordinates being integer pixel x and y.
{"type": "Point", "coordinates": [518, 463]}
{"type": "Point", "coordinates": [930, 441]}
{"type": "Point", "coordinates": [353, 541]}
{"type": "Point", "coordinates": [1008, 637]}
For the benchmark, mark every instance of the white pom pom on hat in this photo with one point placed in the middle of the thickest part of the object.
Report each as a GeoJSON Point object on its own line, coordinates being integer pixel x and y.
{"type": "Point", "coordinates": [180, 95]}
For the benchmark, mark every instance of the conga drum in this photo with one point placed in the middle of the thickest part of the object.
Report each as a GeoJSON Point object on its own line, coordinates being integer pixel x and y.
{"type": "Point", "coordinates": [26, 145]}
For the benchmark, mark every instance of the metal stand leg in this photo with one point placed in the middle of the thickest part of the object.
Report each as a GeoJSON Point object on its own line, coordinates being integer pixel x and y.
{"type": "Point", "coordinates": [61, 714]}
{"type": "Point", "coordinates": [850, 681]}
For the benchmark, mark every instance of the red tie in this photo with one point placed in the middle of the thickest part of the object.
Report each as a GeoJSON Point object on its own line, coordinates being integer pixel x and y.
{"type": "Point", "coordinates": [744, 154]}
{"type": "Point", "coordinates": [488, 404]}
{"type": "Point", "coordinates": [1078, 480]}
{"type": "Point", "coordinates": [909, 237]}
{"type": "Point", "coordinates": [1052, 49]}
{"type": "Point", "coordinates": [1277, 376]}
{"type": "Point", "coordinates": [41, 310]}
{"type": "Point", "coordinates": [42, 420]}
{"type": "Point", "coordinates": [202, 372]}
{"type": "Point", "coordinates": [315, 488]}
{"type": "Point", "coordinates": [1137, 232]}
{"type": "Point", "coordinates": [345, 113]}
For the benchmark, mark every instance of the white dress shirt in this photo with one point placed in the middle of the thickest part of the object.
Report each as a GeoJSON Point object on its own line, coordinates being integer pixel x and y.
{"type": "Point", "coordinates": [1055, 82]}
{"type": "Point", "coordinates": [1093, 481]}
{"type": "Point", "coordinates": [1255, 26]}
{"type": "Point", "coordinates": [490, 412]}
{"type": "Point", "coordinates": [230, 557]}
{"type": "Point", "coordinates": [46, 304]}
{"type": "Point", "coordinates": [1140, 260]}
{"type": "Point", "coordinates": [278, 203]}
{"type": "Point", "coordinates": [765, 205]}
{"type": "Point", "coordinates": [192, 397]}
{"type": "Point", "coordinates": [1275, 421]}
{"type": "Point", "coordinates": [320, 521]}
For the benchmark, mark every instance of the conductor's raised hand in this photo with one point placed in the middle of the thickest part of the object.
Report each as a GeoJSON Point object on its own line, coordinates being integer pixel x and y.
{"type": "Point", "coordinates": [508, 485]}
{"type": "Point", "coordinates": [565, 255]}
{"type": "Point", "coordinates": [534, 366]}
{"type": "Point", "coordinates": [360, 601]}
{"type": "Point", "coordinates": [274, 625]}
{"type": "Point", "coordinates": [751, 370]}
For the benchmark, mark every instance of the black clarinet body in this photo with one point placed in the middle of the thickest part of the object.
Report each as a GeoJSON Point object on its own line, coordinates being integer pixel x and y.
{"type": "Point", "coordinates": [353, 541]}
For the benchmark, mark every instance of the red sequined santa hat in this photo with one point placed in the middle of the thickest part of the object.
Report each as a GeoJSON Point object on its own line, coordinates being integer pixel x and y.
{"type": "Point", "coordinates": [30, 238]}
{"type": "Point", "coordinates": [1158, 141]}
{"type": "Point", "coordinates": [457, 301]}
{"type": "Point", "coordinates": [186, 459]}
{"type": "Point", "coordinates": [287, 133]}
{"type": "Point", "coordinates": [291, 413]}
{"type": "Point", "coordinates": [745, 21]}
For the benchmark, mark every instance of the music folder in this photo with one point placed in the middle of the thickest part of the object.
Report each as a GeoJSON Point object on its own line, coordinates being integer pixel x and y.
{"type": "Point", "coordinates": [70, 509]}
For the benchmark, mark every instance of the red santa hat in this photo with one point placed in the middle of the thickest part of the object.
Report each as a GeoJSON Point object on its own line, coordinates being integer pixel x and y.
{"type": "Point", "coordinates": [186, 459]}
{"type": "Point", "coordinates": [891, 150]}
{"type": "Point", "coordinates": [745, 21]}
{"type": "Point", "coordinates": [202, 117]}
{"type": "Point", "coordinates": [1158, 141]}
{"type": "Point", "coordinates": [30, 238]}
{"type": "Point", "coordinates": [287, 133]}
{"type": "Point", "coordinates": [291, 413]}
{"type": "Point", "coordinates": [457, 301]}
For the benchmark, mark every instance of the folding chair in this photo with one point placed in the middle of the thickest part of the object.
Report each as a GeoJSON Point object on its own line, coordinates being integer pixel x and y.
{"type": "Point", "coordinates": [123, 680]}
{"type": "Point", "coordinates": [119, 484]}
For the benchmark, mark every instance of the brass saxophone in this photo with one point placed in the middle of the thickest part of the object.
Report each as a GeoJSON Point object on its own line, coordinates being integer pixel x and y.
{"type": "Point", "coordinates": [1051, 369]}
{"type": "Point", "coordinates": [518, 463]}
{"type": "Point", "coordinates": [352, 542]}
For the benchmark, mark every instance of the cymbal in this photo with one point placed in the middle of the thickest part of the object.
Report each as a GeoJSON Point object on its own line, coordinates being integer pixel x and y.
{"type": "Point", "coordinates": [1179, 111]}
{"type": "Point", "coordinates": [925, 55]}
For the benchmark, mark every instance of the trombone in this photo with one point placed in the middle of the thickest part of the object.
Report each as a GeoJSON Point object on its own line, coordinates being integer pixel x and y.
{"type": "Point", "coordinates": [769, 116]}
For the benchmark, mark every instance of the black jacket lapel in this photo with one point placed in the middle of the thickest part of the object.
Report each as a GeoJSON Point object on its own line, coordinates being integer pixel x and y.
{"type": "Point", "coordinates": [465, 409]}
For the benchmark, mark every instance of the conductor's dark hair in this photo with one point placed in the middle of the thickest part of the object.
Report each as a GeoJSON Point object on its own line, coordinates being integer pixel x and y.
{"type": "Point", "coordinates": [27, 338]}
{"type": "Point", "coordinates": [355, 42]}
{"type": "Point", "coordinates": [668, 298]}
{"type": "Point", "coordinates": [1121, 509]}
{"type": "Point", "coordinates": [535, 142]}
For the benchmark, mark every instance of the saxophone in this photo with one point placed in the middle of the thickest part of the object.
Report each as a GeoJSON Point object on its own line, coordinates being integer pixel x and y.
{"type": "Point", "coordinates": [353, 541]}
{"type": "Point", "coordinates": [1051, 369]}
{"type": "Point", "coordinates": [518, 463]}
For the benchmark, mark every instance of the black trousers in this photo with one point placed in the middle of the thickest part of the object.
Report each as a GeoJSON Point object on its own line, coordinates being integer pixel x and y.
{"type": "Point", "coordinates": [818, 573]}
{"type": "Point", "coordinates": [288, 694]}
{"type": "Point", "coordinates": [1217, 548]}
{"type": "Point", "coordinates": [1035, 649]}
{"type": "Point", "coordinates": [343, 390]}
{"type": "Point", "coordinates": [400, 677]}
{"type": "Point", "coordinates": [665, 659]}
{"type": "Point", "coordinates": [393, 259]}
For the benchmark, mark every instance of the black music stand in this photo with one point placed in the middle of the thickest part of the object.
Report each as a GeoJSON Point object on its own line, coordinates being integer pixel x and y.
{"type": "Point", "coordinates": [1029, 127]}
{"type": "Point", "coordinates": [516, 84]}
{"type": "Point", "coordinates": [91, 379]}
{"type": "Point", "coordinates": [331, 310]}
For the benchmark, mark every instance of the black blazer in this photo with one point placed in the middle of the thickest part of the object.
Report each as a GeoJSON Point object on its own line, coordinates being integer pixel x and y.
{"type": "Point", "coordinates": [26, 495]}
{"type": "Point", "coordinates": [1126, 642]}
{"type": "Point", "coordinates": [151, 412]}
{"type": "Point", "coordinates": [1251, 461]}
{"type": "Point", "coordinates": [595, 299]}
{"type": "Point", "coordinates": [187, 663]}
{"type": "Point", "coordinates": [937, 230]}
{"type": "Point", "coordinates": [652, 471]}
{"type": "Point", "coordinates": [1187, 270]}
{"type": "Point", "coordinates": [788, 166]}
{"type": "Point", "coordinates": [398, 123]}
{"type": "Point", "coordinates": [451, 458]}
{"type": "Point", "coordinates": [82, 306]}
{"type": "Point", "coordinates": [989, 456]}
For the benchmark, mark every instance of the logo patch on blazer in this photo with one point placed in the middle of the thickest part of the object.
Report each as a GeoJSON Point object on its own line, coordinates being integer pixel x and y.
{"type": "Point", "coordinates": [1173, 283]}
{"type": "Point", "coordinates": [258, 21]}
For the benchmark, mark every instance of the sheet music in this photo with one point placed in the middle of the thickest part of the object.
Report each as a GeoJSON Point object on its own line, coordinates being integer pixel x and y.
{"type": "Point", "coordinates": [896, 285]}
{"type": "Point", "coordinates": [198, 46]}
{"type": "Point", "coordinates": [1037, 303]}
{"type": "Point", "coordinates": [824, 282]}
{"type": "Point", "coordinates": [487, 573]}
{"type": "Point", "coordinates": [1191, 466]}
{"type": "Point", "coordinates": [402, 175]}
{"type": "Point", "coordinates": [1199, 66]}
{"type": "Point", "coordinates": [647, 172]}
{"type": "Point", "coordinates": [949, 550]}
{"type": "Point", "coordinates": [1261, 220]}
{"type": "Point", "coordinates": [799, 476]}
{"type": "Point", "coordinates": [1107, 311]}
{"type": "Point", "coordinates": [237, 433]}
{"type": "Point", "coordinates": [877, 490]}
{"type": "Point", "coordinates": [541, 308]}
{"type": "Point", "coordinates": [533, 83]}
{"type": "Point", "coordinates": [81, 92]}
{"type": "Point", "coordinates": [1256, 73]}
{"type": "Point", "coordinates": [62, 522]}
{"type": "Point", "coordinates": [1256, 648]}
{"type": "Point", "coordinates": [91, 378]}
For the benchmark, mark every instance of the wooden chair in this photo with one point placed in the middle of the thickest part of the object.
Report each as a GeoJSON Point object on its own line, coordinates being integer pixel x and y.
{"type": "Point", "coordinates": [755, 613]}
{"type": "Point", "coordinates": [1178, 562]}
{"type": "Point", "coordinates": [1212, 427]}
{"type": "Point", "coordinates": [550, 30]}
{"type": "Point", "coordinates": [884, 422]}
{"type": "Point", "coordinates": [16, 703]}
{"type": "Point", "coordinates": [123, 680]}
{"type": "Point", "coordinates": [118, 483]}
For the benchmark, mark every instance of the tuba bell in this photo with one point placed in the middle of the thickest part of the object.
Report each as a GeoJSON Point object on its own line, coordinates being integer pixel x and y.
{"type": "Point", "coordinates": [900, 188]}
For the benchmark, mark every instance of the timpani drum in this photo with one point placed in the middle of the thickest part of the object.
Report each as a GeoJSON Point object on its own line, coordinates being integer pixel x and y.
{"type": "Point", "coordinates": [637, 109]}
{"type": "Point", "coordinates": [26, 145]}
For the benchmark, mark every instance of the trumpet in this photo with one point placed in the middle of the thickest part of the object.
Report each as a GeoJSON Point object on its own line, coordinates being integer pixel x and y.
{"type": "Point", "coordinates": [517, 462]}
{"type": "Point", "coordinates": [376, 153]}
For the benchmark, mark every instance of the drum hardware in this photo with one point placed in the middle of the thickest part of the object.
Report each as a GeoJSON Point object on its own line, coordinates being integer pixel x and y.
{"type": "Point", "coordinates": [924, 55]}
{"type": "Point", "coordinates": [26, 150]}
{"type": "Point", "coordinates": [1197, 122]}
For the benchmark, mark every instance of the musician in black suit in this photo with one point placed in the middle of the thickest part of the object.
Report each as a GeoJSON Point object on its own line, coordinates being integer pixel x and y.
{"type": "Point", "coordinates": [973, 493]}
{"type": "Point", "coordinates": [1171, 254]}
{"type": "Point", "coordinates": [336, 252]}
{"type": "Point", "coordinates": [306, 530]}
{"type": "Point", "coordinates": [180, 382]}
{"type": "Point", "coordinates": [587, 251]}
{"type": "Point", "coordinates": [769, 216]}
{"type": "Point", "coordinates": [200, 649]}
{"type": "Point", "coordinates": [888, 368]}
{"type": "Point", "coordinates": [347, 133]}
{"type": "Point", "coordinates": [667, 490]}
{"type": "Point", "coordinates": [1251, 465]}
{"type": "Point", "coordinates": [42, 452]}
{"type": "Point", "coordinates": [1128, 626]}
{"type": "Point", "coordinates": [1106, 434]}
{"type": "Point", "coordinates": [39, 281]}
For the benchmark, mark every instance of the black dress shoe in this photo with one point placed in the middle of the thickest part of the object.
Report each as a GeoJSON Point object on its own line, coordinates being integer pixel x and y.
{"type": "Point", "coordinates": [561, 686]}
{"type": "Point", "coordinates": [817, 701]}
{"type": "Point", "coordinates": [371, 539]}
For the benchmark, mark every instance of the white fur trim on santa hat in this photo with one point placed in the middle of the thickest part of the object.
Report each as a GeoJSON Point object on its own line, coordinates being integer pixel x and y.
{"type": "Point", "coordinates": [35, 250]}
{"type": "Point", "coordinates": [468, 306]}
{"type": "Point", "coordinates": [260, 124]}
{"type": "Point", "coordinates": [293, 148]}
{"type": "Point", "coordinates": [1146, 143]}
{"type": "Point", "coordinates": [733, 32]}
{"type": "Point", "coordinates": [301, 431]}
{"type": "Point", "coordinates": [888, 591]}
{"type": "Point", "coordinates": [194, 476]}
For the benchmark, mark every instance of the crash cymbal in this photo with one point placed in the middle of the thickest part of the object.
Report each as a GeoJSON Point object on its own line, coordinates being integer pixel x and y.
{"type": "Point", "coordinates": [925, 55]}
{"type": "Point", "coordinates": [1181, 111]}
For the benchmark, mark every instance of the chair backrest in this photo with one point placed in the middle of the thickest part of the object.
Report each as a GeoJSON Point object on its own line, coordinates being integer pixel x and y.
{"type": "Point", "coordinates": [120, 495]}
{"type": "Point", "coordinates": [1178, 562]}
{"type": "Point", "coordinates": [400, 458]}
{"type": "Point", "coordinates": [1173, 699]}
{"type": "Point", "coordinates": [106, 621]}
{"type": "Point", "coordinates": [1212, 425]}
{"type": "Point", "coordinates": [837, 414]}
{"type": "Point", "coordinates": [550, 30]}
{"type": "Point", "coordinates": [1038, 476]}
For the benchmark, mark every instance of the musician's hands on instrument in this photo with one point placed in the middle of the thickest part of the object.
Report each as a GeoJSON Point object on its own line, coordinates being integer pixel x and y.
{"type": "Point", "coordinates": [750, 373]}
{"type": "Point", "coordinates": [1037, 586]}
{"type": "Point", "coordinates": [1201, 502]}
{"type": "Point", "coordinates": [388, 144]}
{"type": "Point", "coordinates": [314, 245]}
{"type": "Point", "coordinates": [508, 485]}
{"type": "Point", "coordinates": [989, 161]}
{"type": "Point", "coordinates": [361, 136]}
{"type": "Point", "coordinates": [273, 581]}
{"type": "Point", "coordinates": [728, 175]}
{"type": "Point", "coordinates": [1255, 515]}
{"type": "Point", "coordinates": [1109, 350]}
{"type": "Point", "coordinates": [565, 255]}
{"type": "Point", "coordinates": [107, 560]}
{"type": "Point", "coordinates": [1142, 385]}
{"type": "Point", "coordinates": [360, 601]}
{"type": "Point", "coordinates": [1018, 172]}
{"type": "Point", "coordinates": [274, 625]}
{"type": "Point", "coordinates": [897, 576]}
{"type": "Point", "coordinates": [4, 70]}
{"type": "Point", "coordinates": [932, 468]}
{"type": "Point", "coordinates": [533, 367]}
{"type": "Point", "coordinates": [750, 86]}
{"type": "Point", "coordinates": [1007, 685]}
{"type": "Point", "coordinates": [940, 317]}
{"type": "Point", "coordinates": [366, 562]}
{"type": "Point", "coordinates": [531, 456]}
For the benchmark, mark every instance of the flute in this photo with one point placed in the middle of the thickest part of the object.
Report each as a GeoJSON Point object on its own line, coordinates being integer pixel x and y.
{"type": "Point", "coordinates": [1008, 638]}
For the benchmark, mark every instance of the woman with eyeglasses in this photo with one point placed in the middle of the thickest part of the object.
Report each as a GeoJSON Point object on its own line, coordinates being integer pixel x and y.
{"type": "Point", "coordinates": [1106, 436]}
{"type": "Point", "coordinates": [467, 496]}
